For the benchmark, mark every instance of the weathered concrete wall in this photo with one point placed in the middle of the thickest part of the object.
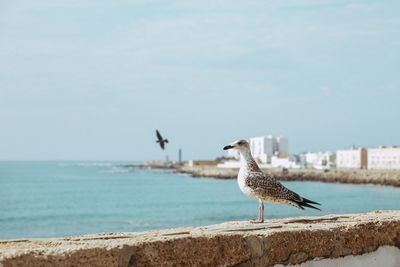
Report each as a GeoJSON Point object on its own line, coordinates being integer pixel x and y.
{"type": "Point", "coordinates": [284, 241]}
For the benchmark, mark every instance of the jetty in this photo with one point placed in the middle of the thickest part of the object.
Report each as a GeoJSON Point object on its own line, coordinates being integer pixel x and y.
{"type": "Point", "coordinates": [210, 169]}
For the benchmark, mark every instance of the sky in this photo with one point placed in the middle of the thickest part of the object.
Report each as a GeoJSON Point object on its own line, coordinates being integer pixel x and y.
{"type": "Point", "coordinates": [92, 80]}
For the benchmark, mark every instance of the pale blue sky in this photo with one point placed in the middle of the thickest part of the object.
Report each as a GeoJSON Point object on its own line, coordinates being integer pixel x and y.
{"type": "Point", "coordinates": [92, 80]}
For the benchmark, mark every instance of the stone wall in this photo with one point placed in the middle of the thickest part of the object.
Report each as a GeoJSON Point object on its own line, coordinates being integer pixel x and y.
{"type": "Point", "coordinates": [283, 241]}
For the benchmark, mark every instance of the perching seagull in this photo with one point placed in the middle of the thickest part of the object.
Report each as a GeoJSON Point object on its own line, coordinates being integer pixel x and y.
{"type": "Point", "coordinates": [161, 140]}
{"type": "Point", "coordinates": [263, 187]}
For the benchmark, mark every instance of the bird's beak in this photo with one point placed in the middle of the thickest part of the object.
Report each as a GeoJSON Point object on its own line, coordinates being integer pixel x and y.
{"type": "Point", "coordinates": [228, 147]}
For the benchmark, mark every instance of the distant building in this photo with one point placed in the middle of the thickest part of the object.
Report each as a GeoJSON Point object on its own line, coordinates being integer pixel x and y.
{"type": "Point", "coordinates": [354, 158]}
{"type": "Point", "coordinates": [285, 161]}
{"type": "Point", "coordinates": [264, 147]}
{"type": "Point", "coordinates": [282, 145]}
{"type": "Point", "coordinates": [229, 164]}
{"type": "Point", "coordinates": [318, 160]}
{"type": "Point", "coordinates": [384, 158]}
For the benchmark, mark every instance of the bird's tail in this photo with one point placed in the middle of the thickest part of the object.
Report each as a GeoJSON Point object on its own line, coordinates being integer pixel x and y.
{"type": "Point", "coordinates": [306, 203]}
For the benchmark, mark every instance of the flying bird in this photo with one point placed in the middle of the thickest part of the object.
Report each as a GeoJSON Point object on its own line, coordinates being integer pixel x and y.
{"type": "Point", "coordinates": [161, 140]}
{"type": "Point", "coordinates": [261, 186]}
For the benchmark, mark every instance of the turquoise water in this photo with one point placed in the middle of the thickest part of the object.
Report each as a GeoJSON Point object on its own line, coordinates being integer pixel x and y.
{"type": "Point", "coordinates": [52, 199]}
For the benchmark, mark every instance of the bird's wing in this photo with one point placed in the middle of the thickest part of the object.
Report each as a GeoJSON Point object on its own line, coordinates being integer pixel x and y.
{"type": "Point", "coordinates": [158, 135]}
{"type": "Point", "coordinates": [267, 186]}
{"type": "Point", "coordinates": [162, 145]}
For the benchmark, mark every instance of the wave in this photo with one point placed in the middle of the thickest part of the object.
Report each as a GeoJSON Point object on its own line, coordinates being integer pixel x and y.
{"type": "Point", "coordinates": [115, 169]}
{"type": "Point", "coordinates": [87, 164]}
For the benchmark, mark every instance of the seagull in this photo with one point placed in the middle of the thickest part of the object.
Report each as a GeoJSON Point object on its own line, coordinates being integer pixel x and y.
{"type": "Point", "coordinates": [263, 187]}
{"type": "Point", "coordinates": [161, 140]}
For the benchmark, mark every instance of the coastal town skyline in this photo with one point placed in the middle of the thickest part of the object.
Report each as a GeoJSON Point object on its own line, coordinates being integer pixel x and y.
{"type": "Point", "coordinates": [273, 152]}
{"type": "Point", "coordinates": [89, 80]}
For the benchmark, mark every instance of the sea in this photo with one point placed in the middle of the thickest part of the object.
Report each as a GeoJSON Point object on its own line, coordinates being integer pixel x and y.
{"type": "Point", "coordinates": [55, 199]}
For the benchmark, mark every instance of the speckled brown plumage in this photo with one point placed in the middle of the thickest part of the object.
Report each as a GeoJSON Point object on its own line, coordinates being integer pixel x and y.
{"type": "Point", "coordinates": [268, 187]}
{"type": "Point", "coordinates": [252, 166]}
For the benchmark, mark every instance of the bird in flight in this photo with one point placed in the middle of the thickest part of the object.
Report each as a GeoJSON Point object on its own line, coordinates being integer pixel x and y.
{"type": "Point", "coordinates": [261, 186]}
{"type": "Point", "coordinates": [161, 140]}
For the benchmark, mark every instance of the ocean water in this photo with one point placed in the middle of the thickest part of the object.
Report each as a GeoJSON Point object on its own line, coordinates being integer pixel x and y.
{"type": "Point", "coordinates": [54, 199]}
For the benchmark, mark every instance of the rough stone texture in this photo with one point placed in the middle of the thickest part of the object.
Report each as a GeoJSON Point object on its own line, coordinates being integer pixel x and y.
{"type": "Point", "coordinates": [284, 241]}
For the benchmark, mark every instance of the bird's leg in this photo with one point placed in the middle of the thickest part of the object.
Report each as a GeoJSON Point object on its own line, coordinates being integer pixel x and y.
{"type": "Point", "coordinates": [260, 213]}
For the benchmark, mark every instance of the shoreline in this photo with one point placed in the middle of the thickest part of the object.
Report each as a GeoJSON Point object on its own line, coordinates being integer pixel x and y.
{"type": "Point", "coordinates": [376, 177]}
{"type": "Point", "coordinates": [346, 176]}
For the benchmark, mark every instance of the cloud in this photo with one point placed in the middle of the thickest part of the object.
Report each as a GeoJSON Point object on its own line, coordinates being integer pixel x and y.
{"type": "Point", "coordinates": [60, 56]}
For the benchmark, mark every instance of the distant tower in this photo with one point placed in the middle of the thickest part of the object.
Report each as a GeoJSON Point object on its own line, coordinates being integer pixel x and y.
{"type": "Point", "coordinates": [264, 147]}
{"type": "Point", "coordinates": [180, 155]}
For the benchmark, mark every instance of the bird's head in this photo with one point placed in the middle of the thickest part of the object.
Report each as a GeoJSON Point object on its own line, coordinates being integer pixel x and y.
{"type": "Point", "coordinates": [240, 145]}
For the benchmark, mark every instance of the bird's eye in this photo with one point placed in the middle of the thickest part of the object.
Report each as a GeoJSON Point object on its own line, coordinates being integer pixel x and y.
{"type": "Point", "coordinates": [240, 143]}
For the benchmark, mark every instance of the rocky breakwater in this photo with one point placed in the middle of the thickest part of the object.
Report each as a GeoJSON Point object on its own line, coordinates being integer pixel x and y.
{"type": "Point", "coordinates": [209, 171]}
{"type": "Point", "coordinates": [381, 177]}
{"type": "Point", "coordinates": [155, 165]}
{"type": "Point", "coordinates": [281, 241]}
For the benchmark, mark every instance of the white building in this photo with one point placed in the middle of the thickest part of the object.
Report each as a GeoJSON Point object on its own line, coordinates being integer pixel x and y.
{"type": "Point", "coordinates": [384, 158]}
{"type": "Point", "coordinates": [264, 147]}
{"type": "Point", "coordinates": [229, 164]}
{"type": "Point", "coordinates": [283, 146]}
{"type": "Point", "coordinates": [285, 161]}
{"type": "Point", "coordinates": [355, 158]}
{"type": "Point", "coordinates": [319, 160]}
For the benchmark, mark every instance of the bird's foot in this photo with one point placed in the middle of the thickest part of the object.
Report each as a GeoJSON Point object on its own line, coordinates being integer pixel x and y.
{"type": "Point", "coordinates": [256, 221]}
